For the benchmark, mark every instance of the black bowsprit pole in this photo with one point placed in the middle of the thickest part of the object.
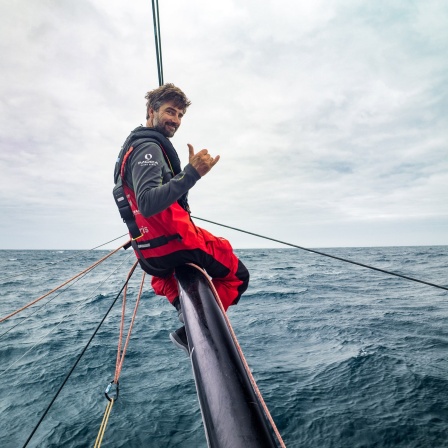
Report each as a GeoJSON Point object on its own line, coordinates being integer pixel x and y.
{"type": "Point", "coordinates": [231, 410]}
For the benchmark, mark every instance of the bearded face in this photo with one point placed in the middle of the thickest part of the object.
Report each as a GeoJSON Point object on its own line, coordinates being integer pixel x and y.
{"type": "Point", "coordinates": [167, 119]}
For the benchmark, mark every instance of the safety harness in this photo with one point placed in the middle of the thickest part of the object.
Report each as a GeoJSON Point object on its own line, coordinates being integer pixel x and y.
{"type": "Point", "coordinates": [139, 136]}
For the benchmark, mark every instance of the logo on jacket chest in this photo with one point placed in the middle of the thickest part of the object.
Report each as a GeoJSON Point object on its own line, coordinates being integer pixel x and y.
{"type": "Point", "coordinates": [148, 161]}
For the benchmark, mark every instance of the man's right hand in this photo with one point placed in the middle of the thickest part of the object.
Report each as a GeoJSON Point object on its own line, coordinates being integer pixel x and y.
{"type": "Point", "coordinates": [203, 162]}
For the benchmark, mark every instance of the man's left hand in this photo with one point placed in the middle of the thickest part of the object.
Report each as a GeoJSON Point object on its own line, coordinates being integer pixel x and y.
{"type": "Point", "coordinates": [203, 162]}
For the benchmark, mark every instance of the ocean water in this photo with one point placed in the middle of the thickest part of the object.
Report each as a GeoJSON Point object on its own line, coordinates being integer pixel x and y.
{"type": "Point", "coordinates": [344, 356]}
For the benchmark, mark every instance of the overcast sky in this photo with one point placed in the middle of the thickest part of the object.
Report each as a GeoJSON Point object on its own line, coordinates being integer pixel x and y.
{"type": "Point", "coordinates": [330, 117]}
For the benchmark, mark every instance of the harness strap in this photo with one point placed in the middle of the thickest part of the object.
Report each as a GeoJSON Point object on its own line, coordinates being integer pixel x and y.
{"type": "Point", "coordinates": [128, 217]}
{"type": "Point", "coordinates": [157, 242]}
{"type": "Point", "coordinates": [158, 272]}
{"type": "Point", "coordinates": [125, 210]}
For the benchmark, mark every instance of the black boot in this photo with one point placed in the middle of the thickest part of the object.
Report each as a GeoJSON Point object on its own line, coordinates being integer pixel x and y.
{"type": "Point", "coordinates": [176, 304]}
{"type": "Point", "coordinates": [179, 339]}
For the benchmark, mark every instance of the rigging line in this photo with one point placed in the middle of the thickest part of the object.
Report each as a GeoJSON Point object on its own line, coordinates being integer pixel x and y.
{"type": "Point", "coordinates": [50, 300]}
{"type": "Point", "coordinates": [64, 318]}
{"type": "Point", "coordinates": [326, 255]}
{"type": "Point", "coordinates": [155, 14]}
{"type": "Point", "coordinates": [115, 239]}
{"type": "Point", "coordinates": [93, 266]}
{"type": "Point", "coordinates": [53, 263]}
{"type": "Point", "coordinates": [157, 38]}
{"type": "Point", "coordinates": [160, 41]}
{"type": "Point", "coordinates": [77, 361]}
{"type": "Point", "coordinates": [43, 306]}
{"type": "Point", "coordinates": [121, 353]}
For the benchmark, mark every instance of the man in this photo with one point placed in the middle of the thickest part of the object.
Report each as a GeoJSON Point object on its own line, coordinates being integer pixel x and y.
{"type": "Point", "coordinates": [150, 181]}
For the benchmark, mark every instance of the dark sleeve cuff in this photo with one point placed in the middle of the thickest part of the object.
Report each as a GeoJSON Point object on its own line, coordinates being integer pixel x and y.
{"type": "Point", "coordinates": [189, 169]}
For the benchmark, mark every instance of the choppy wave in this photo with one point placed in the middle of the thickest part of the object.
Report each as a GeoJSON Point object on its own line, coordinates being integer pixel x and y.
{"type": "Point", "coordinates": [344, 356]}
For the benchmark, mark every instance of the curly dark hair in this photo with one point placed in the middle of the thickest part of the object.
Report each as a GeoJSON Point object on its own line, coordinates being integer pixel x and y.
{"type": "Point", "coordinates": [167, 92]}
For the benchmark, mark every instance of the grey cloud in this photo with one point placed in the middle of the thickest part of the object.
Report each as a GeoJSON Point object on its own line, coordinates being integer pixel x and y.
{"type": "Point", "coordinates": [326, 116]}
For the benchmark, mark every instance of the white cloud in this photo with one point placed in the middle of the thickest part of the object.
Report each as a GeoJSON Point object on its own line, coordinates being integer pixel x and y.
{"type": "Point", "coordinates": [327, 116]}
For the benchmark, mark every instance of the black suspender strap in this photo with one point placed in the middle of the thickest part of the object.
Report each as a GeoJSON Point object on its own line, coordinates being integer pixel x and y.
{"type": "Point", "coordinates": [125, 210]}
{"type": "Point", "coordinates": [147, 267]}
{"type": "Point", "coordinates": [157, 242]}
{"type": "Point", "coordinates": [128, 217]}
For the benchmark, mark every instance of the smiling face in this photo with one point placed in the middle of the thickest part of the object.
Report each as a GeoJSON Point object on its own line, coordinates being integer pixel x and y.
{"type": "Point", "coordinates": [167, 119]}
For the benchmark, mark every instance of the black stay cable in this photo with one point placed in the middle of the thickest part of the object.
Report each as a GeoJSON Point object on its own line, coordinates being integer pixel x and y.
{"type": "Point", "coordinates": [79, 357]}
{"type": "Point", "coordinates": [156, 19]}
{"type": "Point", "coordinates": [158, 40]}
{"type": "Point", "coordinates": [325, 254]}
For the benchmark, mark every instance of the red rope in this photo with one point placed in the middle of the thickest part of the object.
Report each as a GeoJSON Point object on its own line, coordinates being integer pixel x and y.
{"type": "Point", "coordinates": [63, 284]}
{"type": "Point", "coordinates": [121, 354]}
